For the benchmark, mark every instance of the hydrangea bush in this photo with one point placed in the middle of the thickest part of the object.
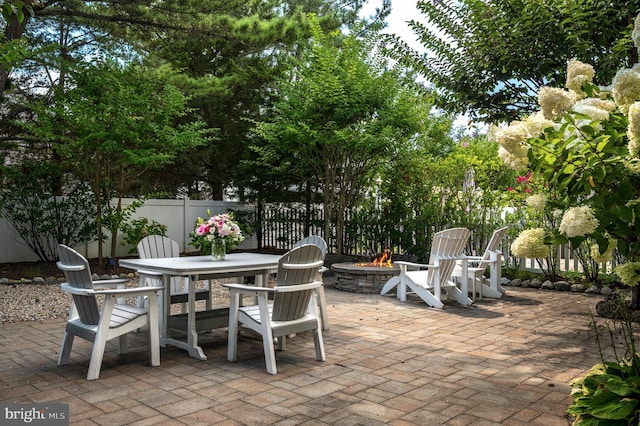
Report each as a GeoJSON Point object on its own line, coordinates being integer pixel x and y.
{"type": "Point", "coordinates": [585, 144]}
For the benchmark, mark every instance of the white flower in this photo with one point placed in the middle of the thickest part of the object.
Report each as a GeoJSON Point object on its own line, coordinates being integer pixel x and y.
{"type": "Point", "coordinates": [537, 201]}
{"type": "Point", "coordinates": [629, 273]}
{"type": "Point", "coordinates": [635, 34]}
{"type": "Point", "coordinates": [536, 124]}
{"type": "Point", "coordinates": [512, 161]}
{"type": "Point", "coordinates": [588, 108]}
{"type": "Point", "coordinates": [606, 256]}
{"type": "Point", "coordinates": [578, 221]}
{"type": "Point", "coordinates": [633, 131]}
{"type": "Point", "coordinates": [513, 145]}
{"type": "Point", "coordinates": [530, 243]}
{"type": "Point", "coordinates": [579, 73]}
{"type": "Point", "coordinates": [554, 102]}
{"type": "Point", "coordinates": [626, 88]}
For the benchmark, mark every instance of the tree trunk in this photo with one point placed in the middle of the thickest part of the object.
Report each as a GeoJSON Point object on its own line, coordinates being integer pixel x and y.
{"type": "Point", "coordinates": [635, 298]}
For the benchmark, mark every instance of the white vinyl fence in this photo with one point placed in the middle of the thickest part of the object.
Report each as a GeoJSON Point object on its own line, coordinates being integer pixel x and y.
{"type": "Point", "coordinates": [179, 216]}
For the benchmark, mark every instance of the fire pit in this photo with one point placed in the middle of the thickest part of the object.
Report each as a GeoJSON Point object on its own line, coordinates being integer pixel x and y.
{"type": "Point", "coordinates": [362, 278]}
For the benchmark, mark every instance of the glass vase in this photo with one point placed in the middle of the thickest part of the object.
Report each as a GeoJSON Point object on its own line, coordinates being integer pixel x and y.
{"type": "Point", "coordinates": [218, 250]}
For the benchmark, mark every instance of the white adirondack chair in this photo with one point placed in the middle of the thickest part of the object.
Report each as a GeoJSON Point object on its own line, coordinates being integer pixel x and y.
{"type": "Point", "coordinates": [98, 325]}
{"type": "Point", "coordinates": [157, 246]}
{"type": "Point", "coordinates": [322, 300]}
{"type": "Point", "coordinates": [492, 259]}
{"type": "Point", "coordinates": [292, 310]}
{"type": "Point", "coordinates": [428, 280]}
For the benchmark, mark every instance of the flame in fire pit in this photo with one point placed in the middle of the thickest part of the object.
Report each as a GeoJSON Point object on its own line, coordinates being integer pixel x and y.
{"type": "Point", "coordinates": [382, 261]}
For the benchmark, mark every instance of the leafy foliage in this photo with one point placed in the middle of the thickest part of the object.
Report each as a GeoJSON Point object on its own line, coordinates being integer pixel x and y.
{"type": "Point", "coordinates": [43, 217]}
{"type": "Point", "coordinates": [489, 58]}
{"type": "Point", "coordinates": [429, 191]}
{"type": "Point", "coordinates": [113, 125]}
{"type": "Point", "coordinates": [136, 229]}
{"type": "Point", "coordinates": [338, 118]}
{"type": "Point", "coordinates": [610, 392]}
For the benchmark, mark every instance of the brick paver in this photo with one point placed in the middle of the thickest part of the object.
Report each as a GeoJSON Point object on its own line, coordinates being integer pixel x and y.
{"type": "Point", "coordinates": [500, 362]}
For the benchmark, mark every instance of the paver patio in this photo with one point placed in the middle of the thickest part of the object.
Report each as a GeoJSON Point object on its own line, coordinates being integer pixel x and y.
{"type": "Point", "coordinates": [501, 362]}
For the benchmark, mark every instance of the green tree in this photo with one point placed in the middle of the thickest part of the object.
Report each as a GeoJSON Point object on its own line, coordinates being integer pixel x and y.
{"type": "Point", "coordinates": [228, 54]}
{"type": "Point", "coordinates": [489, 58]}
{"type": "Point", "coordinates": [340, 115]}
{"type": "Point", "coordinates": [42, 216]}
{"type": "Point", "coordinates": [113, 125]}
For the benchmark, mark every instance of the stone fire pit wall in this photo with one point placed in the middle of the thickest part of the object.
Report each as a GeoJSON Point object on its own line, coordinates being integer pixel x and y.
{"type": "Point", "coordinates": [362, 279]}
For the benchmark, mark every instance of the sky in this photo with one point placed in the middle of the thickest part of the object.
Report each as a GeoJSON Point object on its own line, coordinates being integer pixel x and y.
{"type": "Point", "coordinates": [401, 12]}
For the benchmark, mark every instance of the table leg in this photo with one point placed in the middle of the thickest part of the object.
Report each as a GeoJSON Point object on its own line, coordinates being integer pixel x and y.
{"type": "Point", "coordinates": [192, 335]}
{"type": "Point", "coordinates": [165, 309]}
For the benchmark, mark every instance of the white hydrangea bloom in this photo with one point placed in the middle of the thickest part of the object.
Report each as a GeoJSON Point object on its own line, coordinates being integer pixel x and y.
{"type": "Point", "coordinates": [635, 34]}
{"type": "Point", "coordinates": [536, 124]}
{"type": "Point", "coordinates": [578, 221]}
{"type": "Point", "coordinates": [591, 110]}
{"type": "Point", "coordinates": [604, 104]}
{"type": "Point", "coordinates": [607, 255]}
{"type": "Point", "coordinates": [537, 201]}
{"type": "Point", "coordinates": [513, 137]}
{"type": "Point", "coordinates": [626, 88]}
{"type": "Point", "coordinates": [633, 131]}
{"type": "Point", "coordinates": [530, 243]}
{"type": "Point", "coordinates": [579, 73]}
{"type": "Point", "coordinates": [512, 161]}
{"type": "Point", "coordinates": [633, 165]}
{"type": "Point", "coordinates": [629, 273]}
{"type": "Point", "coordinates": [554, 102]}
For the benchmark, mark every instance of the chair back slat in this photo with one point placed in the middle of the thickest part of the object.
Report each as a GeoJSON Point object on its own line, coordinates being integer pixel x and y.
{"type": "Point", "coordinates": [78, 274]}
{"type": "Point", "coordinates": [155, 246]}
{"type": "Point", "coordinates": [447, 244]}
{"type": "Point", "coordinates": [492, 246]}
{"type": "Point", "coordinates": [315, 240]}
{"type": "Point", "coordinates": [305, 262]}
{"type": "Point", "coordinates": [158, 246]}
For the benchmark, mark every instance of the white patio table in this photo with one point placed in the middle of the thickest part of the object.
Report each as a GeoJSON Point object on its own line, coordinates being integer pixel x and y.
{"type": "Point", "coordinates": [200, 267]}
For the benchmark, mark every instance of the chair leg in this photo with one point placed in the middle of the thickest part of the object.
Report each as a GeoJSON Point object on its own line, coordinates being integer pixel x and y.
{"type": "Point", "coordinates": [319, 343]}
{"type": "Point", "coordinates": [322, 307]}
{"type": "Point", "coordinates": [269, 351]}
{"type": "Point", "coordinates": [267, 335]}
{"type": "Point", "coordinates": [232, 343]}
{"type": "Point", "coordinates": [65, 349]}
{"type": "Point", "coordinates": [123, 346]}
{"type": "Point", "coordinates": [154, 331]}
{"type": "Point", "coordinates": [96, 356]}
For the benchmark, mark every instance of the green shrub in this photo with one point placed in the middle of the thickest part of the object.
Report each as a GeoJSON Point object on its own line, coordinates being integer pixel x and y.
{"type": "Point", "coordinates": [139, 228]}
{"type": "Point", "coordinates": [609, 394]}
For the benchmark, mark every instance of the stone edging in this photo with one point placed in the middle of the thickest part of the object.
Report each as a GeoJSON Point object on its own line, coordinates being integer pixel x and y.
{"type": "Point", "coordinates": [55, 280]}
{"type": "Point", "coordinates": [506, 282]}
{"type": "Point", "coordinates": [557, 286]}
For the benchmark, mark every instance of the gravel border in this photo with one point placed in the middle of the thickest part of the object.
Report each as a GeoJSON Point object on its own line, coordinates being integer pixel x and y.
{"type": "Point", "coordinates": [41, 299]}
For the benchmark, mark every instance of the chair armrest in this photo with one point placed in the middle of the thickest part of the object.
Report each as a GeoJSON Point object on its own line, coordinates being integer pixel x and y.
{"type": "Point", "coordinates": [64, 267]}
{"type": "Point", "coordinates": [298, 287]}
{"type": "Point", "coordinates": [241, 288]}
{"type": "Point", "coordinates": [414, 265]}
{"type": "Point", "coordinates": [110, 283]}
{"type": "Point", "coordinates": [135, 291]}
{"type": "Point", "coordinates": [116, 292]}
